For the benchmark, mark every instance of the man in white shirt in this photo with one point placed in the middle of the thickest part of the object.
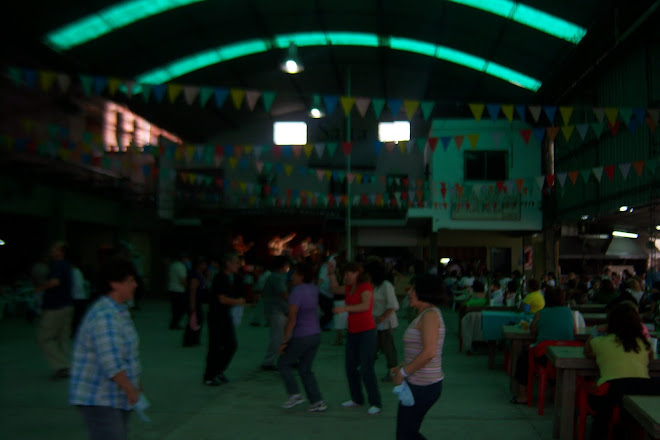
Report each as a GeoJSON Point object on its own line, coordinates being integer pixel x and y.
{"type": "Point", "coordinates": [176, 285]}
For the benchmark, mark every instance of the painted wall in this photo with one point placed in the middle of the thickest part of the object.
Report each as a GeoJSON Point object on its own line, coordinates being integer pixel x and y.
{"type": "Point", "coordinates": [477, 238]}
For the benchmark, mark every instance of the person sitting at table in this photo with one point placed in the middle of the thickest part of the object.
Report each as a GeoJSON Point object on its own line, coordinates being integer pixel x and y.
{"type": "Point", "coordinates": [496, 294]}
{"type": "Point", "coordinates": [554, 322]}
{"type": "Point", "coordinates": [534, 297]}
{"type": "Point", "coordinates": [623, 357]}
{"type": "Point", "coordinates": [477, 295]}
{"type": "Point", "coordinates": [606, 293]}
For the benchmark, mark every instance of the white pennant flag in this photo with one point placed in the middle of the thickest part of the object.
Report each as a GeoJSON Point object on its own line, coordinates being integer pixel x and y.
{"type": "Point", "coordinates": [63, 81]}
{"type": "Point", "coordinates": [257, 151]}
{"type": "Point", "coordinates": [320, 148]}
{"type": "Point", "coordinates": [535, 110]}
{"type": "Point", "coordinates": [539, 181]}
{"type": "Point", "coordinates": [598, 172]}
{"type": "Point", "coordinates": [600, 113]}
{"type": "Point", "coordinates": [320, 174]}
{"type": "Point", "coordinates": [582, 129]}
{"type": "Point", "coordinates": [625, 169]}
{"type": "Point", "coordinates": [251, 97]}
{"type": "Point", "coordinates": [562, 178]}
{"type": "Point", "coordinates": [362, 105]}
{"type": "Point", "coordinates": [190, 94]}
{"type": "Point", "coordinates": [260, 165]}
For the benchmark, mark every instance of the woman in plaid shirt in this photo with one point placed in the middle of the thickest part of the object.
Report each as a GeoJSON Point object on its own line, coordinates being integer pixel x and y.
{"type": "Point", "coordinates": [105, 376]}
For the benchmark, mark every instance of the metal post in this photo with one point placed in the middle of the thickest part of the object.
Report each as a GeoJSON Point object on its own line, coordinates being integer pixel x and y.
{"type": "Point", "coordinates": [349, 244]}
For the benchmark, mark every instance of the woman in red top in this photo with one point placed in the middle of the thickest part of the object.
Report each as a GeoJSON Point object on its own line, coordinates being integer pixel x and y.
{"type": "Point", "coordinates": [361, 341]}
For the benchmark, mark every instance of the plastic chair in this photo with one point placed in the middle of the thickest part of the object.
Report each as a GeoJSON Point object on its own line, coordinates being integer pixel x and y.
{"type": "Point", "coordinates": [544, 372]}
{"type": "Point", "coordinates": [583, 390]}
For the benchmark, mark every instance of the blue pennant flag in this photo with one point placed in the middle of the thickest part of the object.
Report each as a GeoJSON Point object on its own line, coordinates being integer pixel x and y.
{"type": "Point", "coordinates": [330, 102]}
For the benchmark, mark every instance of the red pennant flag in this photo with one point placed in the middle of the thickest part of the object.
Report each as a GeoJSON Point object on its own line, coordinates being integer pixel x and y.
{"type": "Point", "coordinates": [614, 128]}
{"type": "Point", "coordinates": [347, 147]}
{"type": "Point", "coordinates": [433, 142]}
{"type": "Point", "coordinates": [500, 186]}
{"type": "Point", "coordinates": [519, 184]}
{"type": "Point", "coordinates": [405, 181]}
{"type": "Point", "coordinates": [526, 134]}
{"type": "Point", "coordinates": [639, 167]}
{"type": "Point", "coordinates": [550, 178]}
{"type": "Point", "coordinates": [552, 132]}
{"type": "Point", "coordinates": [467, 205]}
{"type": "Point", "coordinates": [404, 195]}
{"type": "Point", "coordinates": [459, 141]}
{"type": "Point", "coordinates": [219, 150]}
{"type": "Point", "coordinates": [445, 205]}
{"type": "Point", "coordinates": [435, 205]}
{"type": "Point", "coordinates": [277, 149]}
{"type": "Point", "coordinates": [651, 123]}
{"type": "Point", "coordinates": [609, 170]}
{"type": "Point", "coordinates": [443, 190]}
{"type": "Point", "coordinates": [573, 175]}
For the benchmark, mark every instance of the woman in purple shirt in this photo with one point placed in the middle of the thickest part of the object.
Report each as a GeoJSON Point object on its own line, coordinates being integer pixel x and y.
{"type": "Point", "coordinates": [302, 338]}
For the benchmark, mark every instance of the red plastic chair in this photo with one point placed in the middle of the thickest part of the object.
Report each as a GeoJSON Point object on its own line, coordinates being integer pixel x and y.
{"type": "Point", "coordinates": [544, 372]}
{"type": "Point", "coordinates": [583, 390]}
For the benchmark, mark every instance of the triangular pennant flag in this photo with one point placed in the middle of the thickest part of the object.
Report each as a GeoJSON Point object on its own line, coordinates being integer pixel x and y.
{"type": "Point", "coordinates": [159, 92]}
{"type": "Point", "coordinates": [639, 167]}
{"type": "Point", "coordinates": [473, 138]}
{"type": "Point", "coordinates": [86, 82]}
{"type": "Point", "coordinates": [497, 137]}
{"type": "Point", "coordinates": [347, 103]}
{"type": "Point", "coordinates": [433, 142]}
{"type": "Point", "coordinates": [308, 148]}
{"type": "Point", "coordinates": [320, 174]}
{"type": "Point", "coordinates": [173, 91]}
{"type": "Point", "coordinates": [526, 134]}
{"type": "Point", "coordinates": [598, 172]}
{"type": "Point", "coordinates": [493, 111]}
{"type": "Point", "coordinates": [508, 111]}
{"type": "Point", "coordinates": [654, 114]}
{"type": "Point", "coordinates": [377, 104]}
{"type": "Point", "coordinates": [332, 147]}
{"type": "Point", "coordinates": [362, 104]}
{"type": "Point", "coordinates": [220, 96]}
{"type": "Point", "coordinates": [46, 79]}
{"type": "Point", "coordinates": [15, 75]}
{"type": "Point", "coordinates": [625, 170]}
{"type": "Point", "coordinates": [320, 148]}
{"type": "Point", "coordinates": [237, 96]}
{"type": "Point", "coordinates": [614, 128]}
{"type": "Point", "coordinates": [100, 82]}
{"type": "Point", "coordinates": [582, 130]}
{"type": "Point", "coordinates": [297, 149]}
{"type": "Point", "coordinates": [64, 81]}
{"type": "Point", "coordinates": [251, 97]}
{"type": "Point", "coordinates": [562, 178]}
{"type": "Point", "coordinates": [268, 96]}
{"type": "Point", "coordinates": [552, 132]}
{"type": "Point", "coordinates": [535, 111]}
{"type": "Point", "coordinates": [626, 114]}
{"type": "Point", "coordinates": [550, 178]}
{"type": "Point", "coordinates": [330, 102]}
{"type": "Point", "coordinates": [347, 147]}
{"type": "Point", "coordinates": [30, 78]}
{"type": "Point", "coordinates": [411, 107]}
{"type": "Point", "coordinates": [378, 146]}
{"type": "Point", "coordinates": [277, 150]}
{"type": "Point", "coordinates": [586, 174]}
{"type": "Point", "coordinates": [567, 130]}
{"type": "Point", "coordinates": [598, 128]}
{"type": "Point", "coordinates": [599, 113]}
{"type": "Point", "coordinates": [611, 113]}
{"type": "Point", "coordinates": [459, 141]}
{"type": "Point", "coordinates": [421, 144]}
{"type": "Point", "coordinates": [477, 110]}
{"type": "Point", "coordinates": [566, 113]}
{"type": "Point", "coordinates": [609, 170]}
{"type": "Point", "coordinates": [146, 92]}
{"type": "Point", "coordinates": [259, 165]}
{"type": "Point", "coordinates": [445, 141]}
{"type": "Point", "coordinates": [389, 146]}
{"type": "Point", "coordinates": [651, 123]}
{"type": "Point", "coordinates": [427, 108]}
{"type": "Point", "coordinates": [394, 104]}
{"type": "Point", "coordinates": [113, 86]}
{"type": "Point", "coordinates": [651, 165]}
{"type": "Point", "coordinates": [573, 175]}
{"type": "Point", "coordinates": [539, 181]}
{"type": "Point", "coordinates": [288, 169]}
{"type": "Point", "coordinates": [520, 109]}
{"type": "Point", "coordinates": [550, 111]}
{"type": "Point", "coordinates": [402, 146]}
{"type": "Point", "coordinates": [190, 94]}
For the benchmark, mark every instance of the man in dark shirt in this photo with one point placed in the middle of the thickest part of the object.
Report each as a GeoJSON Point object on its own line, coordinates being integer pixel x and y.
{"type": "Point", "coordinates": [55, 327]}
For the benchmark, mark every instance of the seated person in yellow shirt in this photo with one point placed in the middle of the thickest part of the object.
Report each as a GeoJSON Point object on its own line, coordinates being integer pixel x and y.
{"type": "Point", "coordinates": [534, 297]}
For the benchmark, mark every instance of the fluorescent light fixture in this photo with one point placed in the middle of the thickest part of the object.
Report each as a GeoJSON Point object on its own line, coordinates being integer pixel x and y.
{"type": "Point", "coordinates": [624, 208]}
{"type": "Point", "coordinates": [528, 16]}
{"type": "Point", "coordinates": [585, 217]}
{"type": "Point", "coordinates": [394, 131]}
{"type": "Point", "coordinates": [445, 260]}
{"type": "Point", "coordinates": [624, 234]}
{"type": "Point", "coordinates": [290, 133]}
{"type": "Point", "coordinates": [108, 20]}
{"type": "Point", "coordinates": [221, 54]}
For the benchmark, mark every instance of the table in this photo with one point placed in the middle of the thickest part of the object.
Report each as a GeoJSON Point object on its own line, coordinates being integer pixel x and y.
{"type": "Point", "coordinates": [595, 318]}
{"type": "Point", "coordinates": [492, 322]}
{"type": "Point", "coordinates": [589, 308]}
{"type": "Point", "coordinates": [646, 410]}
{"type": "Point", "coordinates": [570, 362]}
{"type": "Point", "coordinates": [464, 310]}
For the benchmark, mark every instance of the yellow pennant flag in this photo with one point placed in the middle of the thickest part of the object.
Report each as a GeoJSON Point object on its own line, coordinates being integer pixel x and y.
{"type": "Point", "coordinates": [243, 186]}
{"type": "Point", "coordinates": [473, 138]}
{"type": "Point", "coordinates": [237, 96]}
{"type": "Point", "coordinates": [178, 154]}
{"type": "Point", "coordinates": [173, 91]}
{"type": "Point", "coordinates": [358, 178]}
{"type": "Point", "coordinates": [247, 149]}
{"type": "Point", "coordinates": [46, 79]}
{"type": "Point", "coordinates": [232, 162]}
{"type": "Point", "coordinates": [308, 148]}
{"type": "Point", "coordinates": [113, 85]}
{"type": "Point", "coordinates": [411, 107]}
{"type": "Point", "coordinates": [190, 152]}
{"type": "Point", "coordinates": [328, 174]}
{"type": "Point", "coordinates": [288, 169]}
{"type": "Point", "coordinates": [402, 146]}
{"type": "Point", "coordinates": [566, 113]}
{"type": "Point", "coordinates": [568, 131]}
{"type": "Point", "coordinates": [477, 110]}
{"type": "Point", "coordinates": [611, 113]}
{"type": "Point", "coordinates": [347, 104]}
{"type": "Point", "coordinates": [508, 111]}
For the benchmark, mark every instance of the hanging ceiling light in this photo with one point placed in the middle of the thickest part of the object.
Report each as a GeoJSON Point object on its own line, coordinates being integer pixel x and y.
{"type": "Point", "coordinates": [316, 112]}
{"type": "Point", "coordinates": [291, 63]}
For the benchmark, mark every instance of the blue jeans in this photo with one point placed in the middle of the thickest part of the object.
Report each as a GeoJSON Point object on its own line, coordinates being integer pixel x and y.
{"type": "Point", "coordinates": [409, 419]}
{"type": "Point", "coordinates": [360, 355]}
{"type": "Point", "coordinates": [302, 350]}
{"type": "Point", "coordinates": [105, 423]}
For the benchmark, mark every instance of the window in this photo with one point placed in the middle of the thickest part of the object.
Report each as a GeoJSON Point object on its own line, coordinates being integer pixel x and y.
{"type": "Point", "coordinates": [290, 133]}
{"type": "Point", "coordinates": [486, 165]}
{"type": "Point", "coordinates": [394, 131]}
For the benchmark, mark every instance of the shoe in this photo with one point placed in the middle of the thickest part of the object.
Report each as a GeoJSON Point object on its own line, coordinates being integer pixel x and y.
{"type": "Point", "coordinates": [215, 382]}
{"type": "Point", "coordinates": [317, 407]}
{"type": "Point", "coordinates": [294, 400]}
{"type": "Point", "coordinates": [373, 411]}
{"type": "Point", "coordinates": [269, 368]}
{"type": "Point", "coordinates": [387, 378]}
{"type": "Point", "coordinates": [350, 404]}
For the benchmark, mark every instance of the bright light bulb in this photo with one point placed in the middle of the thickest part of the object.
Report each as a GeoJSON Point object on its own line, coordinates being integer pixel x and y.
{"type": "Point", "coordinates": [2, 242]}
{"type": "Point", "coordinates": [315, 113]}
{"type": "Point", "coordinates": [624, 208]}
{"type": "Point", "coordinates": [291, 66]}
{"type": "Point", "coordinates": [657, 227]}
{"type": "Point", "coordinates": [585, 217]}
{"type": "Point", "coordinates": [444, 260]}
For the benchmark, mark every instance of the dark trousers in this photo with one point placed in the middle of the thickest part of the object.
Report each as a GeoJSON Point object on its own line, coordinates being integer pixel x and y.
{"type": "Point", "coordinates": [105, 423]}
{"type": "Point", "coordinates": [178, 303]}
{"type": "Point", "coordinates": [522, 365]}
{"type": "Point", "coordinates": [409, 418]}
{"type": "Point", "coordinates": [604, 405]}
{"type": "Point", "coordinates": [386, 346]}
{"type": "Point", "coordinates": [191, 338]}
{"type": "Point", "coordinates": [360, 353]}
{"type": "Point", "coordinates": [302, 350]}
{"type": "Point", "coordinates": [222, 345]}
{"type": "Point", "coordinates": [326, 305]}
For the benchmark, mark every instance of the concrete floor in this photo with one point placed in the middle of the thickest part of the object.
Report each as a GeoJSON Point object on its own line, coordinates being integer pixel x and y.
{"type": "Point", "coordinates": [474, 403]}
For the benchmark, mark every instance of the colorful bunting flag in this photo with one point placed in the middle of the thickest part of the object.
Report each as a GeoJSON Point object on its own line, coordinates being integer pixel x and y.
{"type": "Point", "coordinates": [173, 91]}
{"type": "Point", "coordinates": [477, 110]}
{"type": "Point", "coordinates": [493, 110]}
{"type": "Point", "coordinates": [427, 109]}
{"type": "Point", "coordinates": [237, 96]}
{"type": "Point", "coordinates": [330, 102]}
{"type": "Point", "coordinates": [410, 107]}
{"type": "Point", "coordinates": [347, 103]}
{"type": "Point", "coordinates": [252, 97]}
{"type": "Point", "coordinates": [508, 111]}
{"type": "Point", "coordinates": [535, 111]}
{"type": "Point", "coordinates": [268, 96]}
{"type": "Point", "coordinates": [566, 113]}
{"type": "Point", "coordinates": [362, 104]}
{"type": "Point", "coordinates": [378, 104]}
